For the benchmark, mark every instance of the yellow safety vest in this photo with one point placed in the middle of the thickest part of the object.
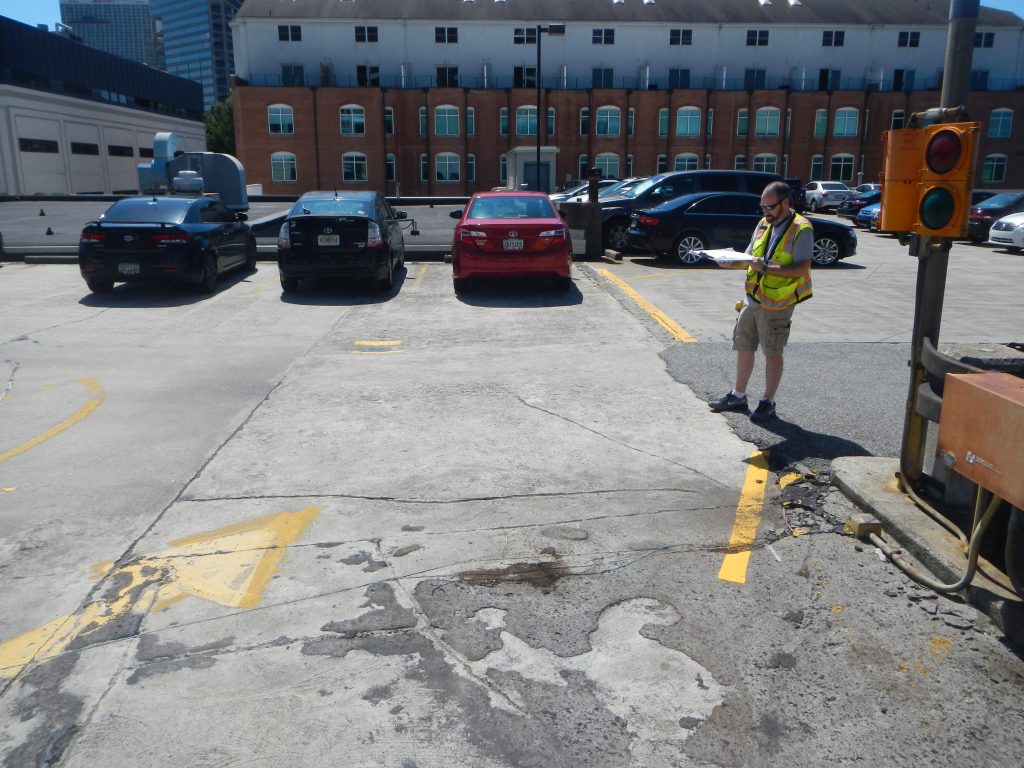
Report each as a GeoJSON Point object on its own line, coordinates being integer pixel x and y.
{"type": "Point", "coordinates": [773, 291]}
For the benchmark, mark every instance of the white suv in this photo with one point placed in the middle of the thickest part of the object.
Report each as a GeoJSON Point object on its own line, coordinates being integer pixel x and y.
{"type": "Point", "coordinates": [821, 195]}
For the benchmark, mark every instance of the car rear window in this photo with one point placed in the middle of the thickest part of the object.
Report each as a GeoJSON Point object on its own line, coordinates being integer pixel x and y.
{"type": "Point", "coordinates": [835, 185]}
{"type": "Point", "coordinates": [158, 210]}
{"type": "Point", "coordinates": [332, 207]}
{"type": "Point", "coordinates": [511, 208]}
{"type": "Point", "coordinates": [999, 201]}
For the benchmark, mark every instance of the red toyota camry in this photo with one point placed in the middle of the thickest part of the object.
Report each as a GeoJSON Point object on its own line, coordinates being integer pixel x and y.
{"type": "Point", "coordinates": [510, 234]}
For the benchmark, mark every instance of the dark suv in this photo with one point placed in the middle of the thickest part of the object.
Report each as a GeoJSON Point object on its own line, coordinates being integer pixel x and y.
{"type": "Point", "coordinates": [616, 211]}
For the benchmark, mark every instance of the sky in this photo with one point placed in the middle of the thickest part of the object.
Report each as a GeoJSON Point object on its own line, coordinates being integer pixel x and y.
{"type": "Point", "coordinates": [48, 11]}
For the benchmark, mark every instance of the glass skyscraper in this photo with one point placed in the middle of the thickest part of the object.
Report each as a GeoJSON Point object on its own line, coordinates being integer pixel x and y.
{"type": "Point", "coordinates": [121, 27]}
{"type": "Point", "coordinates": [194, 40]}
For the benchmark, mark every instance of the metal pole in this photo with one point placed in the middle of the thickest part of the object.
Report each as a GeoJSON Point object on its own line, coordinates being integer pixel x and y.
{"type": "Point", "coordinates": [540, 30]}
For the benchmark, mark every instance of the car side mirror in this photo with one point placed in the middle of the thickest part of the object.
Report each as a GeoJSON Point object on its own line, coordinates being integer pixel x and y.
{"type": "Point", "coordinates": [455, 214]}
{"type": "Point", "coordinates": [241, 217]}
{"type": "Point", "coordinates": [401, 215]}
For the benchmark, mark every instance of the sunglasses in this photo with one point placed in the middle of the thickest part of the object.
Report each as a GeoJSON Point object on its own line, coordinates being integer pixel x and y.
{"type": "Point", "coordinates": [767, 208]}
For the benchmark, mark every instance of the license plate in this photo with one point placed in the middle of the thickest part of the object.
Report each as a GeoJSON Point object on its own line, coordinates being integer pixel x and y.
{"type": "Point", "coordinates": [128, 269]}
{"type": "Point", "coordinates": [512, 244]}
{"type": "Point", "coordinates": [328, 239]}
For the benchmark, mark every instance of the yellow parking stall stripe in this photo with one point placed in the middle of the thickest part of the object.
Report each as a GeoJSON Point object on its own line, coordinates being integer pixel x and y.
{"type": "Point", "coordinates": [381, 347]}
{"type": "Point", "coordinates": [378, 343]}
{"type": "Point", "coordinates": [96, 397]}
{"type": "Point", "coordinates": [748, 516]}
{"type": "Point", "coordinates": [666, 322]}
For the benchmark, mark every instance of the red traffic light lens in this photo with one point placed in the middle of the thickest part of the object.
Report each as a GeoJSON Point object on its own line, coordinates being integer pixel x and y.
{"type": "Point", "coordinates": [937, 208]}
{"type": "Point", "coordinates": [943, 152]}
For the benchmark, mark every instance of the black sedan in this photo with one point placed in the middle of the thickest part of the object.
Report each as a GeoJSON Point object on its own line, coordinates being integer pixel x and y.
{"type": "Point", "coordinates": [184, 239]}
{"type": "Point", "coordinates": [988, 212]}
{"type": "Point", "coordinates": [684, 227]}
{"type": "Point", "coordinates": [341, 234]}
{"type": "Point", "coordinates": [854, 204]}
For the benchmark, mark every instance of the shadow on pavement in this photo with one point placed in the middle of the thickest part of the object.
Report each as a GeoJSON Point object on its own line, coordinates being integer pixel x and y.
{"type": "Point", "coordinates": [145, 294]}
{"type": "Point", "coordinates": [525, 293]}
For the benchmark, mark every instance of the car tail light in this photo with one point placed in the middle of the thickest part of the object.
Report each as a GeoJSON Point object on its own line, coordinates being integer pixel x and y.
{"type": "Point", "coordinates": [473, 235]}
{"type": "Point", "coordinates": [647, 221]}
{"type": "Point", "coordinates": [170, 238]}
{"type": "Point", "coordinates": [373, 237]}
{"type": "Point", "coordinates": [284, 239]}
{"type": "Point", "coordinates": [96, 238]}
{"type": "Point", "coordinates": [555, 234]}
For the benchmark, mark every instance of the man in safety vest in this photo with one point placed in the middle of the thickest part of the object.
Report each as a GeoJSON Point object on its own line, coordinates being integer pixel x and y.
{"type": "Point", "coordinates": [778, 278]}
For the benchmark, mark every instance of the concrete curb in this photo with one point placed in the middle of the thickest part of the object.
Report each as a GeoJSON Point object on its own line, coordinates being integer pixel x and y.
{"type": "Point", "coordinates": [870, 482]}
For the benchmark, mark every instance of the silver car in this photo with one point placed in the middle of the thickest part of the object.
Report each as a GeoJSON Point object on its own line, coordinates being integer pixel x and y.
{"type": "Point", "coordinates": [822, 195]}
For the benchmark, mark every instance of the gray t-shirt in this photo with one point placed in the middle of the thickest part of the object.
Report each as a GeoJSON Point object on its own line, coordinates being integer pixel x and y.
{"type": "Point", "coordinates": [802, 246]}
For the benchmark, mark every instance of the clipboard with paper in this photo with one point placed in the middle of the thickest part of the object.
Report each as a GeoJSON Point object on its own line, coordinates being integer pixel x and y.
{"type": "Point", "coordinates": [724, 255]}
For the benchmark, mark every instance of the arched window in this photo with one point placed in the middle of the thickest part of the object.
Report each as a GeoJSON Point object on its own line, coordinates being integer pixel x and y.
{"type": "Point", "coordinates": [686, 162]}
{"type": "Point", "coordinates": [663, 122]}
{"type": "Point", "coordinates": [740, 163]}
{"type": "Point", "coordinates": [766, 123]}
{"type": "Point", "coordinates": [352, 119]}
{"type": "Point", "coordinates": [817, 167]}
{"type": "Point", "coordinates": [389, 167]}
{"type": "Point", "coordinates": [470, 121]}
{"type": "Point", "coordinates": [842, 168]}
{"type": "Point", "coordinates": [820, 123]}
{"type": "Point", "coordinates": [282, 167]}
{"type": "Point", "coordinates": [993, 169]}
{"type": "Point", "coordinates": [526, 121]}
{"type": "Point", "coordinates": [446, 167]}
{"type": "Point", "coordinates": [446, 120]}
{"type": "Point", "coordinates": [846, 122]}
{"type": "Point", "coordinates": [353, 167]}
{"type": "Point", "coordinates": [766, 163]}
{"type": "Point", "coordinates": [1000, 123]}
{"type": "Point", "coordinates": [608, 164]}
{"type": "Point", "coordinates": [662, 165]}
{"type": "Point", "coordinates": [742, 122]}
{"type": "Point", "coordinates": [608, 121]}
{"type": "Point", "coordinates": [280, 119]}
{"type": "Point", "coordinates": [688, 121]}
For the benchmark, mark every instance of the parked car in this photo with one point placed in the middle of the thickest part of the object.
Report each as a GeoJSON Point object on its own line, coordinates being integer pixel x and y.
{"type": "Point", "coordinates": [852, 205]}
{"type": "Point", "coordinates": [618, 188]}
{"type": "Point", "coordinates": [985, 213]}
{"type": "Point", "coordinates": [797, 197]}
{"type": "Point", "coordinates": [182, 239]}
{"type": "Point", "coordinates": [510, 234]}
{"type": "Point", "coordinates": [350, 234]}
{"type": "Point", "coordinates": [868, 216]}
{"type": "Point", "coordinates": [1008, 232]}
{"type": "Point", "coordinates": [862, 188]}
{"type": "Point", "coordinates": [977, 195]}
{"type": "Point", "coordinates": [683, 227]}
{"type": "Point", "coordinates": [616, 209]}
{"type": "Point", "coordinates": [581, 189]}
{"type": "Point", "coordinates": [822, 195]}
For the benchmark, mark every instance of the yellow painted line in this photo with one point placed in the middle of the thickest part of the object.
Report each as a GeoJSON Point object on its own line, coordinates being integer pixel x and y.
{"type": "Point", "coordinates": [662, 319]}
{"type": "Point", "coordinates": [378, 343]}
{"type": "Point", "coordinates": [748, 516]}
{"type": "Point", "coordinates": [96, 397]}
{"type": "Point", "coordinates": [265, 285]}
{"type": "Point", "coordinates": [422, 272]}
{"type": "Point", "coordinates": [381, 352]}
{"type": "Point", "coordinates": [647, 276]}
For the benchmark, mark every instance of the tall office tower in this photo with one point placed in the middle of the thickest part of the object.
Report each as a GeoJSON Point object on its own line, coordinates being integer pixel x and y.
{"type": "Point", "coordinates": [121, 27]}
{"type": "Point", "coordinates": [194, 39]}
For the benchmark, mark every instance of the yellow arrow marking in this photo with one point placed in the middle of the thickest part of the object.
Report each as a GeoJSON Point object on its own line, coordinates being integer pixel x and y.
{"type": "Point", "coordinates": [230, 566]}
{"type": "Point", "coordinates": [662, 319]}
{"type": "Point", "coordinates": [96, 397]}
{"type": "Point", "coordinates": [748, 515]}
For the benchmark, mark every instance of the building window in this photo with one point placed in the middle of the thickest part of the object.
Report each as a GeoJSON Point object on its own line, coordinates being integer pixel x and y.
{"type": "Point", "coordinates": [80, 148]}
{"type": "Point", "coordinates": [603, 37]}
{"type": "Point", "coordinates": [503, 121]}
{"type": "Point", "coordinates": [757, 37]}
{"type": "Point", "coordinates": [524, 77]}
{"type": "Point", "coordinates": [608, 164]}
{"type": "Point", "coordinates": [766, 122]}
{"type": "Point", "coordinates": [45, 146]}
{"type": "Point", "coordinates": [120, 150]}
{"type": "Point", "coordinates": [470, 167]}
{"type": "Point", "coordinates": [289, 32]}
{"type": "Point", "coordinates": [423, 121]}
{"type": "Point", "coordinates": [899, 116]}
{"type": "Point", "coordinates": [678, 78]}
{"type": "Point", "coordinates": [389, 121]}
{"type": "Point", "coordinates": [908, 40]}
{"type": "Point", "coordinates": [446, 121]}
{"type": "Point", "coordinates": [601, 77]}
{"type": "Point", "coordinates": [584, 167]}
{"type": "Point", "coordinates": [979, 80]}
{"type": "Point", "coordinates": [352, 119]}
{"type": "Point", "coordinates": [903, 79]}
{"type": "Point", "coordinates": [994, 169]}
{"type": "Point", "coordinates": [710, 122]}
{"type": "Point", "coordinates": [740, 163]}
{"type": "Point", "coordinates": [820, 123]}
{"type": "Point", "coordinates": [524, 36]}
{"type": "Point", "coordinates": [663, 122]}
{"type": "Point", "coordinates": [1000, 123]}
{"type": "Point", "coordinates": [143, 151]}
{"type": "Point", "coordinates": [447, 77]}
{"type": "Point", "coordinates": [680, 37]}
{"type": "Point", "coordinates": [353, 166]}
{"type": "Point", "coordinates": [367, 76]}
{"type": "Point", "coordinates": [551, 121]}
{"type": "Point", "coordinates": [742, 122]}
{"type": "Point", "coordinates": [766, 163]}
{"type": "Point", "coordinates": [687, 162]}
{"type": "Point", "coordinates": [424, 167]}
{"type": "Point", "coordinates": [503, 169]}
{"type": "Point", "coordinates": [292, 74]}
{"type": "Point", "coordinates": [984, 39]}
{"type": "Point", "coordinates": [755, 79]}
{"type": "Point", "coordinates": [842, 168]}
{"type": "Point", "coordinates": [470, 121]}
{"type": "Point", "coordinates": [366, 34]}
{"type": "Point", "coordinates": [446, 34]}
{"type": "Point", "coordinates": [282, 167]}
{"type": "Point", "coordinates": [829, 79]}
{"type": "Point", "coordinates": [607, 123]}
{"type": "Point", "coordinates": [629, 166]}
{"type": "Point", "coordinates": [833, 38]}
{"type": "Point", "coordinates": [845, 124]}
{"type": "Point", "coordinates": [389, 167]}
{"type": "Point", "coordinates": [446, 167]}
{"type": "Point", "coordinates": [688, 121]}
{"type": "Point", "coordinates": [707, 162]}
{"type": "Point", "coordinates": [526, 121]}
{"type": "Point", "coordinates": [789, 122]}
{"type": "Point", "coordinates": [817, 167]}
{"type": "Point", "coordinates": [280, 119]}
{"type": "Point", "coordinates": [662, 165]}
{"type": "Point", "coordinates": [630, 121]}
{"type": "Point", "coordinates": [584, 123]}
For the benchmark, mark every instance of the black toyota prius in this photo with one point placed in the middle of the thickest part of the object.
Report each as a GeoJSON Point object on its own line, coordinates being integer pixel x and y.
{"type": "Point", "coordinates": [350, 234]}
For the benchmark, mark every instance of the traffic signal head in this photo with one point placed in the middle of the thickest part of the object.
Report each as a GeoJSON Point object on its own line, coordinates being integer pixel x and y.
{"type": "Point", "coordinates": [901, 174]}
{"type": "Point", "coordinates": [946, 179]}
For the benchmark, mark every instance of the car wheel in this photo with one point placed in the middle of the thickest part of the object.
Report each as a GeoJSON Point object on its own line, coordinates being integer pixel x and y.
{"type": "Point", "coordinates": [688, 248]}
{"type": "Point", "coordinates": [826, 251]}
{"type": "Point", "coordinates": [250, 255]}
{"type": "Point", "coordinates": [100, 286]}
{"type": "Point", "coordinates": [814, 206]}
{"type": "Point", "coordinates": [385, 284]}
{"type": "Point", "coordinates": [615, 235]}
{"type": "Point", "coordinates": [208, 283]}
{"type": "Point", "coordinates": [460, 284]}
{"type": "Point", "coordinates": [289, 284]}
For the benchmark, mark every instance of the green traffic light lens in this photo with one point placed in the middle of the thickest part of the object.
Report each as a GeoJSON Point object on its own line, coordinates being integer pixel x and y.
{"type": "Point", "coordinates": [937, 207]}
{"type": "Point", "coordinates": [943, 152]}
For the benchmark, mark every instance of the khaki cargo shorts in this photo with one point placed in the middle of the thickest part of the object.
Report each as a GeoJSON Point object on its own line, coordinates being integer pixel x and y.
{"type": "Point", "coordinates": [757, 325]}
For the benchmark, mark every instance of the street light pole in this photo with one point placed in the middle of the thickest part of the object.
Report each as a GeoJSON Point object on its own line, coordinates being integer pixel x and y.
{"type": "Point", "coordinates": [540, 30]}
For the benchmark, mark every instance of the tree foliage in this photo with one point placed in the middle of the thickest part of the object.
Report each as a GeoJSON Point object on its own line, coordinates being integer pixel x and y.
{"type": "Point", "coordinates": [220, 128]}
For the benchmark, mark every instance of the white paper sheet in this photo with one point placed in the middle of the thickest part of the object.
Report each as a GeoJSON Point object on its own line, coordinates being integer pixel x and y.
{"type": "Point", "coordinates": [726, 254]}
